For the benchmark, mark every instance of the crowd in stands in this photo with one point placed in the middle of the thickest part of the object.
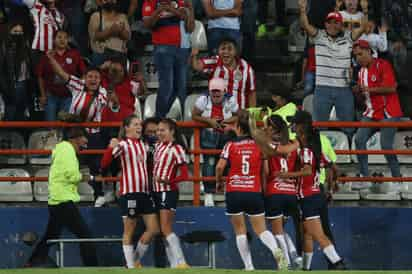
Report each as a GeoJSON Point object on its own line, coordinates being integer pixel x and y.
{"type": "Point", "coordinates": [84, 58]}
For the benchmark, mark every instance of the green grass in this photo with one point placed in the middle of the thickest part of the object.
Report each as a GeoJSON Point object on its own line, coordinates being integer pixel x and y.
{"type": "Point", "coordinates": [116, 270]}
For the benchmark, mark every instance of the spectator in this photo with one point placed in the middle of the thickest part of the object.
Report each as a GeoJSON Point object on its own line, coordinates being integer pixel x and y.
{"type": "Point", "coordinates": [109, 32]}
{"type": "Point", "coordinates": [224, 21]}
{"type": "Point", "coordinates": [217, 110]}
{"type": "Point", "coordinates": [47, 20]}
{"type": "Point", "coordinates": [351, 15]}
{"type": "Point", "coordinates": [333, 48]}
{"type": "Point", "coordinates": [281, 27]}
{"type": "Point", "coordinates": [163, 18]}
{"type": "Point", "coordinates": [248, 29]}
{"type": "Point", "coordinates": [377, 82]}
{"type": "Point", "coordinates": [309, 70]}
{"type": "Point", "coordinates": [55, 97]}
{"type": "Point", "coordinates": [15, 71]}
{"type": "Point", "coordinates": [377, 42]}
{"type": "Point", "coordinates": [63, 181]}
{"type": "Point", "coordinates": [89, 100]}
{"type": "Point", "coordinates": [229, 66]}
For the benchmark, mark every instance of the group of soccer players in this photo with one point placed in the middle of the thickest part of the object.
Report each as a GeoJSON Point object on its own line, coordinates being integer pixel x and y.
{"type": "Point", "coordinates": [269, 177]}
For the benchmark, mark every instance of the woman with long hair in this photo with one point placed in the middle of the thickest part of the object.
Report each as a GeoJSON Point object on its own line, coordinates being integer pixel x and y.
{"type": "Point", "coordinates": [15, 71]}
{"type": "Point", "coordinates": [280, 193]}
{"type": "Point", "coordinates": [169, 157]}
{"type": "Point", "coordinates": [244, 190]}
{"type": "Point", "coordinates": [311, 160]}
{"type": "Point", "coordinates": [134, 188]}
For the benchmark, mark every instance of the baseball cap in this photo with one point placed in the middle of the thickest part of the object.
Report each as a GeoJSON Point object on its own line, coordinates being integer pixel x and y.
{"type": "Point", "coordinates": [301, 117]}
{"type": "Point", "coordinates": [334, 15]}
{"type": "Point", "coordinates": [217, 84]}
{"type": "Point", "coordinates": [363, 44]}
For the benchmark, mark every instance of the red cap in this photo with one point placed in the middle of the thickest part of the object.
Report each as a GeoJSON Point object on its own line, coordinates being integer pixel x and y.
{"type": "Point", "coordinates": [335, 15]}
{"type": "Point", "coordinates": [363, 44]}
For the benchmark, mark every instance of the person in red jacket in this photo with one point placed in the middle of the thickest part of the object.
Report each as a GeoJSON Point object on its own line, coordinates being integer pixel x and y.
{"type": "Point", "coordinates": [377, 84]}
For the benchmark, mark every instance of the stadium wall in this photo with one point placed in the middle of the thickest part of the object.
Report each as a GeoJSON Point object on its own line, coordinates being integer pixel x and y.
{"type": "Point", "coordinates": [368, 238]}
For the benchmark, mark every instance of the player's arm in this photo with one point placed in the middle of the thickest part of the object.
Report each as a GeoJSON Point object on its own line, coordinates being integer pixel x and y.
{"type": "Point", "coordinates": [112, 151]}
{"type": "Point", "coordinates": [331, 178]}
{"type": "Point", "coordinates": [305, 171]}
{"type": "Point", "coordinates": [220, 168]}
{"type": "Point", "coordinates": [184, 174]}
{"type": "Point", "coordinates": [265, 172]}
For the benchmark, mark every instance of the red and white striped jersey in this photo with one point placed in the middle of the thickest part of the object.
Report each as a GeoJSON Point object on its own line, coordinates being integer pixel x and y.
{"type": "Point", "coordinates": [281, 163]}
{"type": "Point", "coordinates": [46, 23]}
{"type": "Point", "coordinates": [133, 156]}
{"type": "Point", "coordinates": [245, 159]}
{"type": "Point", "coordinates": [167, 157]}
{"type": "Point", "coordinates": [240, 81]}
{"type": "Point", "coordinates": [309, 185]}
{"type": "Point", "coordinates": [81, 99]}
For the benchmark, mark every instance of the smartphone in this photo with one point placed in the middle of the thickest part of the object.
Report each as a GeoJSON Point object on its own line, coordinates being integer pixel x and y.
{"type": "Point", "coordinates": [134, 68]}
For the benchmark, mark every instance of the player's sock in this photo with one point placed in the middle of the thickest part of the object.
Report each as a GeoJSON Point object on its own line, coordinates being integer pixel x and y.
{"type": "Point", "coordinates": [291, 246]}
{"type": "Point", "coordinates": [129, 255]}
{"type": "Point", "coordinates": [268, 240]}
{"type": "Point", "coordinates": [331, 253]}
{"type": "Point", "coordinates": [174, 244]}
{"type": "Point", "coordinates": [280, 238]}
{"type": "Point", "coordinates": [169, 255]}
{"type": "Point", "coordinates": [307, 260]}
{"type": "Point", "coordinates": [140, 250]}
{"type": "Point", "coordinates": [243, 247]}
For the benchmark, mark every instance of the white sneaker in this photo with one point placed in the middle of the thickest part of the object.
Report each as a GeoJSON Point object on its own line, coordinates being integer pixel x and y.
{"type": "Point", "coordinates": [100, 201]}
{"type": "Point", "coordinates": [209, 200]}
{"type": "Point", "coordinates": [280, 259]}
{"type": "Point", "coordinates": [249, 268]}
{"type": "Point", "coordinates": [298, 263]}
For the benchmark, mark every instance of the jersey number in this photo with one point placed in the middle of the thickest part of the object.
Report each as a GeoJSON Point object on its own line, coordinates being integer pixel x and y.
{"type": "Point", "coordinates": [283, 165]}
{"type": "Point", "coordinates": [245, 164]}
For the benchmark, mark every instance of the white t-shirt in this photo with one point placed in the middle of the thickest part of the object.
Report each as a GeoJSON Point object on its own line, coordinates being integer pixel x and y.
{"type": "Point", "coordinates": [205, 105]}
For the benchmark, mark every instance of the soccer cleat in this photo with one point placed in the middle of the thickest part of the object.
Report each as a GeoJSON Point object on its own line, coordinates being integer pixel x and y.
{"type": "Point", "coordinates": [280, 259]}
{"type": "Point", "coordinates": [182, 266]}
{"type": "Point", "coordinates": [209, 201]}
{"type": "Point", "coordinates": [137, 264]}
{"type": "Point", "coordinates": [340, 266]}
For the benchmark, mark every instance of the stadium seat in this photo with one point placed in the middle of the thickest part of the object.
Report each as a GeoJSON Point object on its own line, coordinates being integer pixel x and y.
{"type": "Point", "coordinates": [149, 69]}
{"type": "Point", "coordinates": [339, 141]}
{"type": "Point", "coordinates": [43, 139]}
{"type": "Point", "coordinates": [198, 37]}
{"type": "Point", "coordinates": [406, 187]}
{"type": "Point", "coordinates": [388, 191]}
{"type": "Point", "coordinates": [403, 141]}
{"type": "Point", "coordinates": [41, 191]}
{"type": "Point", "coordinates": [189, 103]}
{"type": "Point", "coordinates": [345, 192]}
{"type": "Point", "coordinates": [307, 104]}
{"type": "Point", "coordinates": [12, 140]}
{"type": "Point", "coordinates": [138, 108]}
{"type": "Point", "coordinates": [374, 143]}
{"type": "Point", "coordinates": [15, 191]}
{"type": "Point", "coordinates": [175, 111]}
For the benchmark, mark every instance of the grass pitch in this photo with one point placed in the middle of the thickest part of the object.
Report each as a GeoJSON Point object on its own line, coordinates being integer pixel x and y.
{"type": "Point", "coordinates": [117, 270]}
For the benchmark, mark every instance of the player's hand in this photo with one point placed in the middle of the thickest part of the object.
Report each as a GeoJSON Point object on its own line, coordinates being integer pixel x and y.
{"type": "Point", "coordinates": [114, 142]}
{"type": "Point", "coordinates": [220, 187]}
{"type": "Point", "coordinates": [162, 181]}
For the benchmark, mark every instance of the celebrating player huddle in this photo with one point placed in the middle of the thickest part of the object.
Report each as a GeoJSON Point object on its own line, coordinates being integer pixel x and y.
{"type": "Point", "coordinates": [269, 177]}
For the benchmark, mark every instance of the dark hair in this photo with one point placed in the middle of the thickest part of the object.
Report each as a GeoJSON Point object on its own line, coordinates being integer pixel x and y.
{"type": "Point", "coordinates": [63, 31]}
{"type": "Point", "coordinates": [126, 122]}
{"type": "Point", "coordinates": [22, 50]}
{"type": "Point", "coordinates": [92, 68]}
{"type": "Point", "coordinates": [229, 40]}
{"type": "Point", "coordinates": [243, 122]}
{"type": "Point", "coordinates": [313, 142]}
{"type": "Point", "coordinates": [176, 135]}
{"type": "Point", "coordinates": [73, 132]}
{"type": "Point", "coordinates": [151, 120]}
{"type": "Point", "coordinates": [280, 124]}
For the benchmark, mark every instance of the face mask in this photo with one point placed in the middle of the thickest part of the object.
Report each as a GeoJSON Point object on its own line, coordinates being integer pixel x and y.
{"type": "Point", "coordinates": [17, 37]}
{"type": "Point", "coordinates": [151, 139]}
{"type": "Point", "coordinates": [109, 6]}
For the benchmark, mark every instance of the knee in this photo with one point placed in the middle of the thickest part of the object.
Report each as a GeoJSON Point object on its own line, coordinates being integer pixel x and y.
{"type": "Point", "coordinates": [361, 139]}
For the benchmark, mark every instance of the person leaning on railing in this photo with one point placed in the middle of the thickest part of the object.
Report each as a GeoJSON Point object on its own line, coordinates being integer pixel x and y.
{"type": "Point", "coordinates": [64, 177]}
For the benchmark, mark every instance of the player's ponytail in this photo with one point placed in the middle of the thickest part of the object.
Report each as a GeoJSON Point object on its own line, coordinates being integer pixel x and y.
{"type": "Point", "coordinates": [314, 144]}
{"type": "Point", "coordinates": [243, 122]}
{"type": "Point", "coordinates": [178, 138]}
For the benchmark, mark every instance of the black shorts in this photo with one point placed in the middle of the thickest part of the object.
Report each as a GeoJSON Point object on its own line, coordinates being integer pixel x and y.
{"type": "Point", "coordinates": [250, 203]}
{"type": "Point", "coordinates": [311, 206]}
{"type": "Point", "coordinates": [135, 204]}
{"type": "Point", "coordinates": [280, 205]}
{"type": "Point", "coordinates": [166, 200]}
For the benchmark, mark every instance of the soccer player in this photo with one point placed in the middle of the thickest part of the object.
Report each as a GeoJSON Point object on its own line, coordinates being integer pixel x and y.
{"type": "Point", "coordinates": [280, 193]}
{"type": "Point", "coordinates": [244, 190]}
{"type": "Point", "coordinates": [134, 188]}
{"type": "Point", "coordinates": [169, 158]}
{"type": "Point", "coordinates": [311, 161]}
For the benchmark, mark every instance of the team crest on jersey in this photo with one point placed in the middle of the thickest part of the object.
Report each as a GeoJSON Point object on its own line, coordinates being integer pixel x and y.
{"type": "Point", "coordinates": [373, 78]}
{"type": "Point", "coordinates": [69, 60]}
{"type": "Point", "coordinates": [132, 212]}
{"type": "Point", "coordinates": [238, 75]}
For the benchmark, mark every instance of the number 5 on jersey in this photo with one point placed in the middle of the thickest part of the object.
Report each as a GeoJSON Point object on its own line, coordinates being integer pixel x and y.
{"type": "Point", "coordinates": [245, 164]}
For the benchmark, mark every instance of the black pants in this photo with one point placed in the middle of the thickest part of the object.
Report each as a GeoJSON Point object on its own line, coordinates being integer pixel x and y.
{"type": "Point", "coordinates": [65, 215]}
{"type": "Point", "coordinates": [95, 141]}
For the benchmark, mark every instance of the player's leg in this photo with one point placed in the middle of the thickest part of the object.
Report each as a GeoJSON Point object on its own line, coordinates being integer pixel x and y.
{"type": "Point", "coordinates": [239, 227]}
